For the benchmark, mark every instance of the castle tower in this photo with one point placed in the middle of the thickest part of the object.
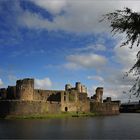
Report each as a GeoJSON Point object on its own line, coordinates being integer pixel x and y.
{"type": "Point", "coordinates": [99, 94]}
{"type": "Point", "coordinates": [78, 86]}
{"type": "Point", "coordinates": [83, 89]}
{"type": "Point", "coordinates": [25, 89]}
{"type": "Point", "coordinates": [67, 87]}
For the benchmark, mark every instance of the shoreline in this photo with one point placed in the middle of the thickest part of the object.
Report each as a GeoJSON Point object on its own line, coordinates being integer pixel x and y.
{"type": "Point", "coordinates": [48, 116]}
{"type": "Point", "coordinates": [54, 116]}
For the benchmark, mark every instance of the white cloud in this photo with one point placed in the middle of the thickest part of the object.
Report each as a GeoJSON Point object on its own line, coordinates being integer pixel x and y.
{"type": "Point", "coordinates": [96, 77]}
{"type": "Point", "coordinates": [114, 81]}
{"type": "Point", "coordinates": [83, 17]}
{"type": "Point", "coordinates": [32, 20]}
{"type": "Point", "coordinates": [86, 61]}
{"type": "Point", "coordinates": [114, 78]}
{"type": "Point", "coordinates": [44, 83]}
{"type": "Point", "coordinates": [115, 84]}
{"type": "Point", "coordinates": [79, 16]}
{"type": "Point", "coordinates": [115, 92]}
{"type": "Point", "coordinates": [53, 6]}
{"type": "Point", "coordinates": [72, 66]}
{"type": "Point", "coordinates": [1, 82]}
{"type": "Point", "coordinates": [125, 56]}
{"type": "Point", "coordinates": [92, 47]}
{"type": "Point", "coordinates": [115, 88]}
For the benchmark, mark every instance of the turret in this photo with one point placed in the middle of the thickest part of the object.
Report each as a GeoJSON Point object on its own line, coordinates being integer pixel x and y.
{"type": "Point", "coordinates": [25, 89]}
{"type": "Point", "coordinates": [83, 89]}
{"type": "Point", "coordinates": [99, 94]}
{"type": "Point", "coordinates": [68, 87]}
{"type": "Point", "coordinates": [78, 86]}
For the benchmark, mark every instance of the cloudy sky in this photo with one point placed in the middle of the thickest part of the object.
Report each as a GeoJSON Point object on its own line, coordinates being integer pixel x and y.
{"type": "Point", "coordinates": [61, 41]}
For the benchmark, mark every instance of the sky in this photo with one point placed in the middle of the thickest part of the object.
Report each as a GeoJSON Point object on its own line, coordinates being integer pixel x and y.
{"type": "Point", "coordinates": [62, 41]}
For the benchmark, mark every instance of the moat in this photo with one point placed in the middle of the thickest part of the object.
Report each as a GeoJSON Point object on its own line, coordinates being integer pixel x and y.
{"type": "Point", "coordinates": [121, 126]}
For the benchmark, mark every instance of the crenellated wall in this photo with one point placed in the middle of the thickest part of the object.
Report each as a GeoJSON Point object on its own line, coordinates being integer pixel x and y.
{"type": "Point", "coordinates": [78, 87]}
{"type": "Point", "coordinates": [68, 87]}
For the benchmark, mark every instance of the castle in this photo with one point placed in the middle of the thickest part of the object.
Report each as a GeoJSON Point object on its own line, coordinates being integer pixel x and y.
{"type": "Point", "coordinates": [23, 99]}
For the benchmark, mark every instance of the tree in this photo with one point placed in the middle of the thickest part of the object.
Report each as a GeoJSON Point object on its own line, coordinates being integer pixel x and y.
{"type": "Point", "coordinates": [128, 22]}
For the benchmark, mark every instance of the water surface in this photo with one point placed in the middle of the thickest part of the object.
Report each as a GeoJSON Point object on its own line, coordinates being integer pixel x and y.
{"type": "Point", "coordinates": [123, 126]}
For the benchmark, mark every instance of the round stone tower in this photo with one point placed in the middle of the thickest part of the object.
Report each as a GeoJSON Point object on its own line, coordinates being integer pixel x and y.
{"type": "Point", "coordinates": [25, 89]}
{"type": "Point", "coordinates": [78, 86]}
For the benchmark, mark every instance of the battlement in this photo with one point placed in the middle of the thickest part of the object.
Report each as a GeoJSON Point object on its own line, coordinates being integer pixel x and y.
{"type": "Point", "coordinates": [108, 99]}
{"type": "Point", "coordinates": [68, 87]}
{"type": "Point", "coordinates": [26, 81]}
{"type": "Point", "coordinates": [78, 87]}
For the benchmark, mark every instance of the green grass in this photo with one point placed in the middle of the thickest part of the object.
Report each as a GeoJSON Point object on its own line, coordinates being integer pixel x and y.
{"type": "Point", "coordinates": [51, 116]}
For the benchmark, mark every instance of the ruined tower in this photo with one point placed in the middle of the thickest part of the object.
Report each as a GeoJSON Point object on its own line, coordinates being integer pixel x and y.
{"type": "Point", "coordinates": [25, 89]}
{"type": "Point", "coordinates": [83, 89]}
{"type": "Point", "coordinates": [67, 87]}
{"type": "Point", "coordinates": [78, 86]}
{"type": "Point", "coordinates": [99, 94]}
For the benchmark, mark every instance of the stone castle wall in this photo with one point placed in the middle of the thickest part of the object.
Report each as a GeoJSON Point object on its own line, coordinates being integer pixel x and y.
{"type": "Point", "coordinates": [75, 107]}
{"type": "Point", "coordinates": [54, 107]}
{"type": "Point", "coordinates": [23, 99]}
{"type": "Point", "coordinates": [47, 95]}
{"type": "Point", "coordinates": [104, 108]}
{"type": "Point", "coordinates": [16, 107]}
{"type": "Point", "coordinates": [11, 92]}
{"type": "Point", "coordinates": [72, 101]}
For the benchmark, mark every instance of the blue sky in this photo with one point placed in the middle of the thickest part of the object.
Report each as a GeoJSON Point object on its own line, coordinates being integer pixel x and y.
{"type": "Point", "coordinates": [61, 41]}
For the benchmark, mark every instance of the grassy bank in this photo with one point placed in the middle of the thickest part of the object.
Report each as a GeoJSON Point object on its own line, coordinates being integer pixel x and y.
{"type": "Point", "coordinates": [50, 116]}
